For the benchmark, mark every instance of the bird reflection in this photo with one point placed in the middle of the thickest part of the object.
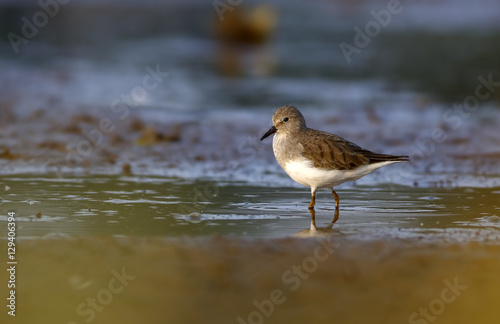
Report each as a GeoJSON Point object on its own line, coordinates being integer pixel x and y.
{"type": "Point", "coordinates": [320, 231]}
{"type": "Point", "coordinates": [313, 219]}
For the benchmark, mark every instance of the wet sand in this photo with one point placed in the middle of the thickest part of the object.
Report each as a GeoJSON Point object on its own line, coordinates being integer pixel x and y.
{"type": "Point", "coordinates": [210, 145]}
{"type": "Point", "coordinates": [217, 280]}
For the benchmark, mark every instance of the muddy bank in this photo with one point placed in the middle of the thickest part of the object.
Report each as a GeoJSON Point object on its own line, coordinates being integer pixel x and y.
{"type": "Point", "coordinates": [224, 145]}
{"type": "Point", "coordinates": [214, 280]}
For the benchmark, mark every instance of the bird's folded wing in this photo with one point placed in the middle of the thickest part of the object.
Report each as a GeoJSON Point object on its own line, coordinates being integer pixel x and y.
{"type": "Point", "coordinates": [328, 151]}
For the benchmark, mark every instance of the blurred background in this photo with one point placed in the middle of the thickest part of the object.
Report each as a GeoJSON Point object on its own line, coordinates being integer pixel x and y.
{"type": "Point", "coordinates": [245, 54]}
{"type": "Point", "coordinates": [130, 119]}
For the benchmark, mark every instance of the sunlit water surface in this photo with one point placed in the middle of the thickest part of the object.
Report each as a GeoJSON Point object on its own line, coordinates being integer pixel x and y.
{"type": "Point", "coordinates": [164, 207]}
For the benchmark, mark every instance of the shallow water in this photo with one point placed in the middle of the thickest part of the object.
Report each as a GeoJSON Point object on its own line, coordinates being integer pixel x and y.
{"type": "Point", "coordinates": [161, 207]}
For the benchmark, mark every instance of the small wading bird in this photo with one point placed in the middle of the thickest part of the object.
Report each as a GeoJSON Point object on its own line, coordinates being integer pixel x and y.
{"type": "Point", "coordinates": [319, 159]}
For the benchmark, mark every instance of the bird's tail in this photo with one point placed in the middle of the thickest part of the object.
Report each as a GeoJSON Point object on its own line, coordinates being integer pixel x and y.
{"type": "Point", "coordinates": [375, 158]}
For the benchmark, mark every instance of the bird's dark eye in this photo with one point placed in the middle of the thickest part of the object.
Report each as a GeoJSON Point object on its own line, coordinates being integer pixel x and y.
{"type": "Point", "coordinates": [285, 119]}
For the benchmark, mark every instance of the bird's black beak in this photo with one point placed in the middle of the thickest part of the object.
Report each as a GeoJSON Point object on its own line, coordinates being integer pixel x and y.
{"type": "Point", "coordinates": [271, 130]}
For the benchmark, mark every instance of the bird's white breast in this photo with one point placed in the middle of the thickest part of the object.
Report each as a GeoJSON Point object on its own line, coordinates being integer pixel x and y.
{"type": "Point", "coordinates": [304, 173]}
